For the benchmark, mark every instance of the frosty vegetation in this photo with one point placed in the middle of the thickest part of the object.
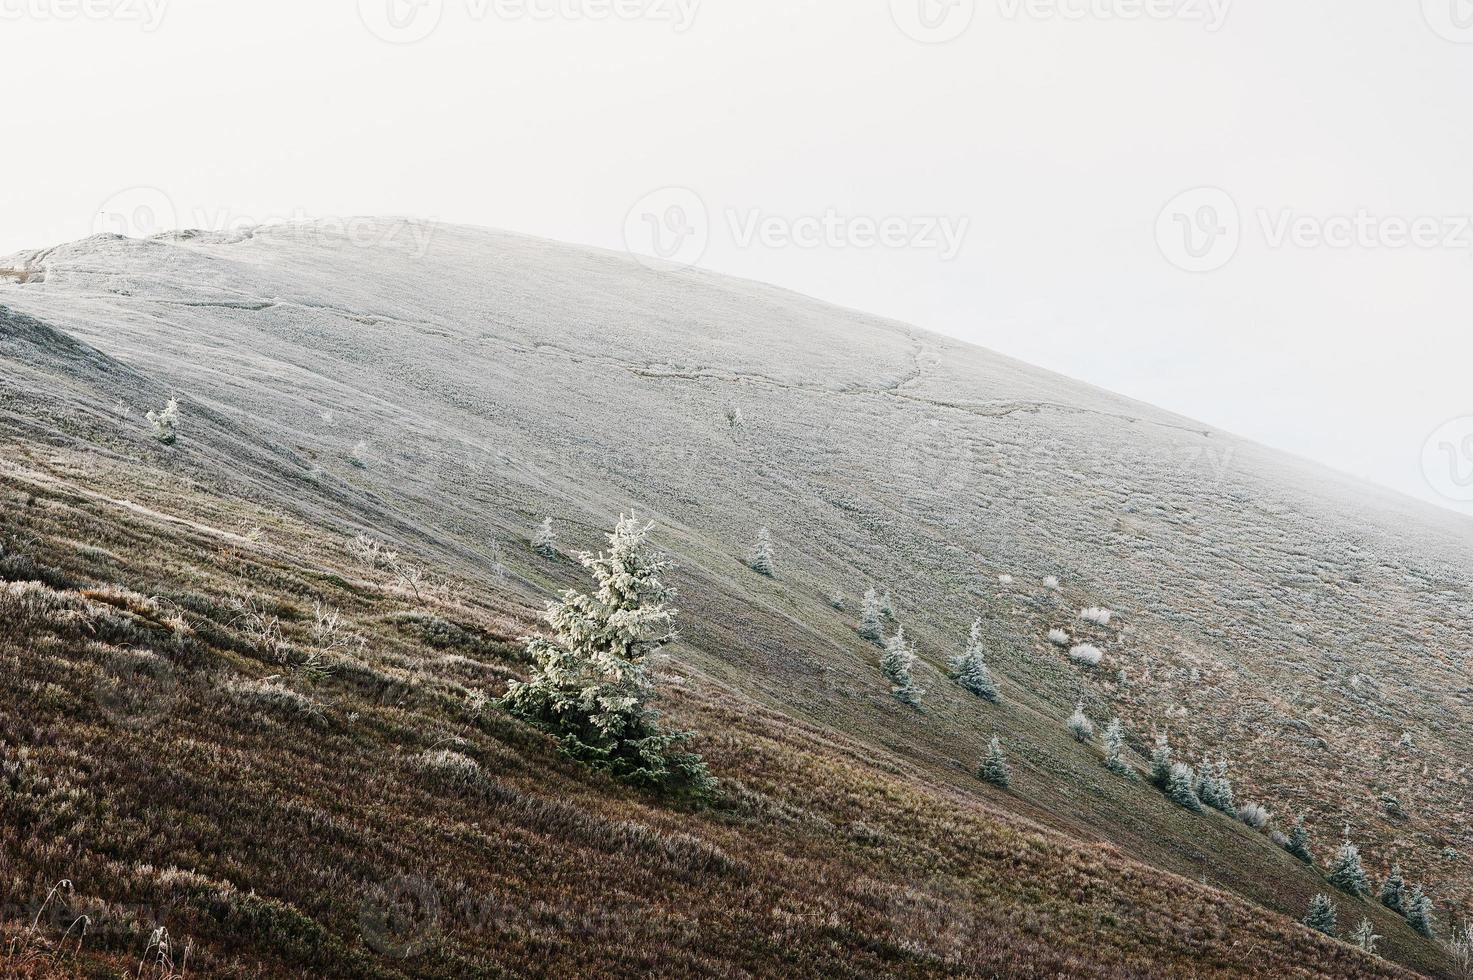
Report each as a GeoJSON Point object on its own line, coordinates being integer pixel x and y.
{"type": "Point", "coordinates": [970, 669]}
{"type": "Point", "coordinates": [1096, 615]}
{"type": "Point", "coordinates": [1079, 725]}
{"type": "Point", "coordinates": [544, 539]}
{"type": "Point", "coordinates": [761, 560]}
{"type": "Point", "coordinates": [166, 423]}
{"type": "Point", "coordinates": [871, 625]}
{"type": "Point", "coordinates": [994, 768]}
{"type": "Point", "coordinates": [589, 685]}
{"type": "Point", "coordinates": [1087, 655]}
{"type": "Point", "coordinates": [897, 662]}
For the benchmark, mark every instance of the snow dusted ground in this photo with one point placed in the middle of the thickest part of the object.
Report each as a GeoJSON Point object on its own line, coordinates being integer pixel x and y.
{"type": "Point", "coordinates": [1295, 619]}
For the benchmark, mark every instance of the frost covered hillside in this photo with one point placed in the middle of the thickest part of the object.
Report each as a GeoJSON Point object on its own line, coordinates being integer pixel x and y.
{"type": "Point", "coordinates": [1299, 634]}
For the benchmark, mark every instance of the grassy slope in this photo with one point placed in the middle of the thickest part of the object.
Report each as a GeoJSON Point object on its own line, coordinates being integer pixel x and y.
{"type": "Point", "coordinates": [861, 486]}
{"type": "Point", "coordinates": [268, 832]}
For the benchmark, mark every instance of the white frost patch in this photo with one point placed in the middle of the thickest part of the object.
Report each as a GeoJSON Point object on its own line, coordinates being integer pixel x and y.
{"type": "Point", "coordinates": [1096, 615]}
{"type": "Point", "coordinates": [1086, 654]}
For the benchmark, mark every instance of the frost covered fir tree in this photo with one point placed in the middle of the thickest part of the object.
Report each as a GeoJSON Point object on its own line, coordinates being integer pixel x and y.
{"type": "Point", "coordinates": [970, 669]}
{"type": "Point", "coordinates": [1079, 725]}
{"type": "Point", "coordinates": [994, 768]}
{"type": "Point", "coordinates": [544, 539]}
{"type": "Point", "coordinates": [761, 560]}
{"type": "Point", "coordinates": [1393, 891]}
{"type": "Point", "coordinates": [1365, 936]}
{"type": "Point", "coordinates": [1419, 911]}
{"type": "Point", "coordinates": [1345, 871]}
{"type": "Point", "coordinates": [869, 617]}
{"type": "Point", "coordinates": [1115, 749]}
{"type": "Point", "coordinates": [589, 686]}
{"type": "Point", "coordinates": [896, 662]}
{"type": "Point", "coordinates": [1321, 915]}
{"type": "Point", "coordinates": [1181, 787]}
{"type": "Point", "coordinates": [1161, 761]}
{"type": "Point", "coordinates": [1298, 843]}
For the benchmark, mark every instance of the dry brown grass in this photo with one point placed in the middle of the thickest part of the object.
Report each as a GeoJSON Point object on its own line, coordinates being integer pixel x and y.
{"type": "Point", "coordinates": [159, 756]}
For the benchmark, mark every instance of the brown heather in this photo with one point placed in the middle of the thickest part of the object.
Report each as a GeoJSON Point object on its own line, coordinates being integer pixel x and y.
{"type": "Point", "coordinates": [268, 809]}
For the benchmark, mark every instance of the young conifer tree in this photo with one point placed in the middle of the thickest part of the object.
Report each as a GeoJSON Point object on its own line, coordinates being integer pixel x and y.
{"type": "Point", "coordinates": [1115, 749]}
{"type": "Point", "coordinates": [896, 662]}
{"type": "Point", "coordinates": [971, 667]}
{"type": "Point", "coordinates": [1345, 871]}
{"type": "Point", "coordinates": [544, 539]}
{"type": "Point", "coordinates": [761, 560]}
{"type": "Point", "coordinates": [1161, 761]}
{"type": "Point", "coordinates": [994, 768]}
{"type": "Point", "coordinates": [870, 617]}
{"type": "Point", "coordinates": [589, 686]}
{"type": "Point", "coordinates": [1393, 890]}
{"type": "Point", "coordinates": [1298, 843]}
{"type": "Point", "coordinates": [1419, 911]}
{"type": "Point", "coordinates": [1321, 915]}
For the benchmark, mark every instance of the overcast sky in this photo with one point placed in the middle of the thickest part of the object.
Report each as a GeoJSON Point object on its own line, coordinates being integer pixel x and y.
{"type": "Point", "coordinates": [1253, 213]}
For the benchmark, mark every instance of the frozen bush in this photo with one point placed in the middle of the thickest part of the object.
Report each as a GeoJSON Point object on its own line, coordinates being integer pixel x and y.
{"type": "Point", "coordinates": [1254, 815]}
{"type": "Point", "coordinates": [1058, 638]}
{"type": "Point", "coordinates": [1086, 655]}
{"type": "Point", "coordinates": [1096, 615]}
{"type": "Point", "coordinates": [166, 423]}
{"type": "Point", "coordinates": [1079, 725]}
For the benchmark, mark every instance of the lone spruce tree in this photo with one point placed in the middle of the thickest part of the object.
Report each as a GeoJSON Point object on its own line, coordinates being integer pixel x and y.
{"type": "Point", "coordinates": [1321, 915]}
{"type": "Point", "coordinates": [869, 617]}
{"type": "Point", "coordinates": [994, 768]}
{"type": "Point", "coordinates": [589, 686]}
{"type": "Point", "coordinates": [1393, 891]}
{"type": "Point", "coordinates": [1345, 869]}
{"type": "Point", "coordinates": [971, 667]}
{"type": "Point", "coordinates": [761, 560]}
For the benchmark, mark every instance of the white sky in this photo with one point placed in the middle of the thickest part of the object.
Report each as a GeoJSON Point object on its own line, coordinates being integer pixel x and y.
{"type": "Point", "coordinates": [1057, 130]}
